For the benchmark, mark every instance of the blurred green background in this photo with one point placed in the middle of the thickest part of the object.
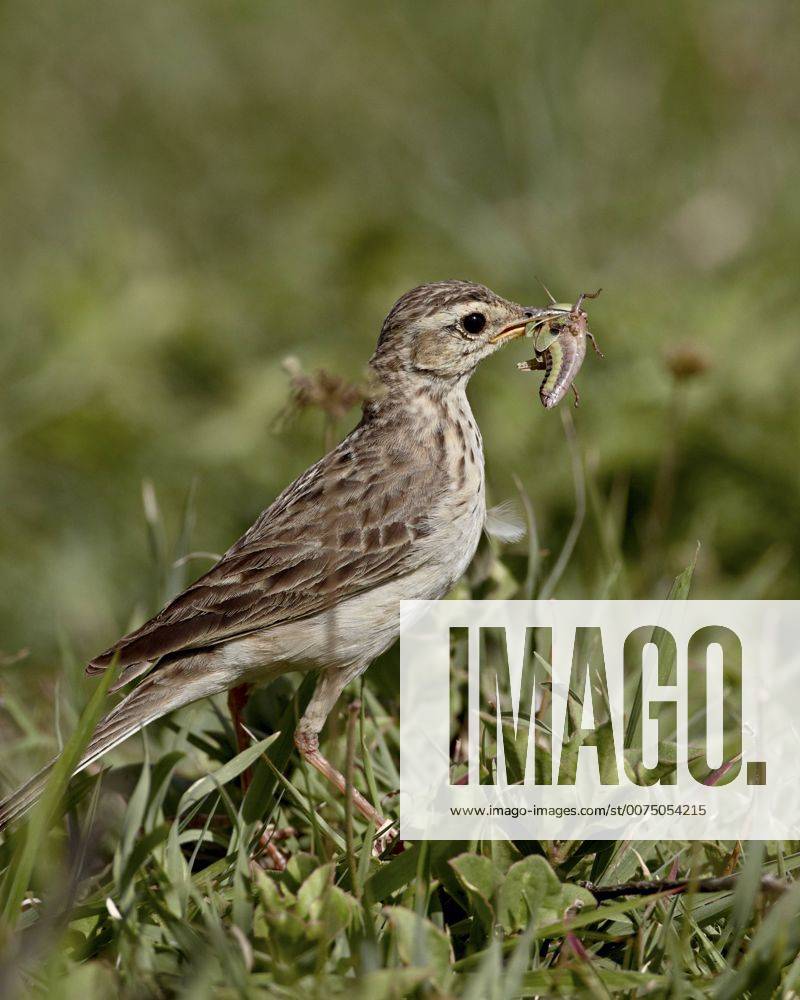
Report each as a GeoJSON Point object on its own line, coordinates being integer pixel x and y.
{"type": "Point", "coordinates": [191, 192]}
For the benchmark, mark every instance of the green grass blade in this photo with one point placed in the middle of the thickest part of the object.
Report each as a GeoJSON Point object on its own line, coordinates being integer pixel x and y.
{"type": "Point", "coordinates": [32, 838]}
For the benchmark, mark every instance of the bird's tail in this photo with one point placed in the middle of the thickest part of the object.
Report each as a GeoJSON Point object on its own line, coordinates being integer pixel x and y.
{"type": "Point", "coordinates": [167, 688]}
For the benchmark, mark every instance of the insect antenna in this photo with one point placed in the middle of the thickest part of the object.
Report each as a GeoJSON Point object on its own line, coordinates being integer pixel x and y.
{"type": "Point", "coordinates": [547, 290]}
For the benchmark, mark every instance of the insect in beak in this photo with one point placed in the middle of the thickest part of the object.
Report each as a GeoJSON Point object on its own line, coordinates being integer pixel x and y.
{"type": "Point", "coordinates": [559, 343]}
{"type": "Point", "coordinates": [518, 329]}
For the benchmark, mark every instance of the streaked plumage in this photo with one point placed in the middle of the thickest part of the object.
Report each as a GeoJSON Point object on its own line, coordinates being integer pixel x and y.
{"type": "Point", "coordinates": [394, 512]}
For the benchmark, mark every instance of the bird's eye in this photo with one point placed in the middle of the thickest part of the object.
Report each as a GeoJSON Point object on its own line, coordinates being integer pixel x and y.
{"type": "Point", "coordinates": [474, 322]}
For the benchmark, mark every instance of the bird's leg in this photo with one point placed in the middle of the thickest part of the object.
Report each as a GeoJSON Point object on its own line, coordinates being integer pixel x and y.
{"type": "Point", "coordinates": [307, 742]}
{"type": "Point", "coordinates": [237, 702]}
{"type": "Point", "coordinates": [275, 860]}
{"type": "Point", "coordinates": [306, 739]}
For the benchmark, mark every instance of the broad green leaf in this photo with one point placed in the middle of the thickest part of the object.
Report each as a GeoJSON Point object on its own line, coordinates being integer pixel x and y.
{"type": "Point", "coordinates": [298, 868]}
{"type": "Point", "coordinates": [480, 879]}
{"type": "Point", "coordinates": [314, 889]}
{"type": "Point", "coordinates": [402, 869]}
{"type": "Point", "coordinates": [531, 894]}
{"type": "Point", "coordinates": [339, 910]}
{"type": "Point", "coordinates": [420, 944]}
{"type": "Point", "coordinates": [270, 893]}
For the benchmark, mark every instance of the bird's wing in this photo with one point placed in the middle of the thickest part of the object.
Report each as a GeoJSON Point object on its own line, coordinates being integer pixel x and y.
{"type": "Point", "coordinates": [346, 526]}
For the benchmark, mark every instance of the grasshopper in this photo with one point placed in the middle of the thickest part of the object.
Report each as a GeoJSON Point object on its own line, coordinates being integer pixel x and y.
{"type": "Point", "coordinates": [559, 340]}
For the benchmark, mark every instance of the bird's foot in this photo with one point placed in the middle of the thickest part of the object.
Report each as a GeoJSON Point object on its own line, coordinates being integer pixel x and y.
{"type": "Point", "coordinates": [307, 742]}
{"type": "Point", "coordinates": [268, 854]}
{"type": "Point", "coordinates": [387, 842]}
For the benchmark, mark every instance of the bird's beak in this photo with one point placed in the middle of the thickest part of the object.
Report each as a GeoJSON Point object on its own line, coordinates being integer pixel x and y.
{"type": "Point", "coordinates": [515, 330]}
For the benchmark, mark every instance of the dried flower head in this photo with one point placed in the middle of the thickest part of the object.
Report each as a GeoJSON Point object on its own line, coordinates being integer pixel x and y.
{"type": "Point", "coordinates": [332, 394]}
{"type": "Point", "coordinates": [685, 361]}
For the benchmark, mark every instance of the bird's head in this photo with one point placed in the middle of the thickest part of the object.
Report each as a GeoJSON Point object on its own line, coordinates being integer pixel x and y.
{"type": "Point", "coordinates": [437, 334]}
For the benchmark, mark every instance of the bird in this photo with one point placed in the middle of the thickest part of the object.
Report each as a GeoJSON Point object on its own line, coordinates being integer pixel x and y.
{"type": "Point", "coordinates": [393, 512]}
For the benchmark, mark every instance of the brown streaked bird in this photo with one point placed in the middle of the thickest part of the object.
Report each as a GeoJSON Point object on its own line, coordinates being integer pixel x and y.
{"type": "Point", "coordinates": [394, 512]}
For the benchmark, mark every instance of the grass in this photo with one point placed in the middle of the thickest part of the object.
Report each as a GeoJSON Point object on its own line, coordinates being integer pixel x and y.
{"type": "Point", "coordinates": [190, 195]}
{"type": "Point", "coordinates": [148, 878]}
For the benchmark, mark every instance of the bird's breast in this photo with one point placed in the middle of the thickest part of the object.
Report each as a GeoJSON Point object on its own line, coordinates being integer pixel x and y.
{"type": "Point", "coordinates": [461, 511]}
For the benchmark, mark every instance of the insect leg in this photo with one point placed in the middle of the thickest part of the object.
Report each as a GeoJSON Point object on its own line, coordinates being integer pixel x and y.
{"type": "Point", "coordinates": [585, 295]}
{"type": "Point", "coordinates": [534, 365]}
{"type": "Point", "coordinates": [577, 394]}
{"type": "Point", "coordinates": [590, 335]}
